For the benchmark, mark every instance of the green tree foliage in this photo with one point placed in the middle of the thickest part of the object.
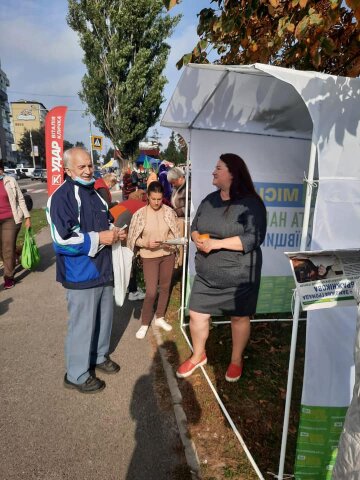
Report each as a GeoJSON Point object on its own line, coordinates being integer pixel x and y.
{"type": "Point", "coordinates": [320, 35]}
{"type": "Point", "coordinates": [109, 155]}
{"type": "Point", "coordinates": [125, 54]}
{"type": "Point", "coordinates": [68, 145]}
{"type": "Point", "coordinates": [176, 151]}
{"type": "Point", "coordinates": [183, 149]}
{"type": "Point", "coordinates": [38, 139]}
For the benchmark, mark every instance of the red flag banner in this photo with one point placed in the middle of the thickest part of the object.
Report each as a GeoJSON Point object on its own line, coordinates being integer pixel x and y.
{"type": "Point", "coordinates": [54, 143]}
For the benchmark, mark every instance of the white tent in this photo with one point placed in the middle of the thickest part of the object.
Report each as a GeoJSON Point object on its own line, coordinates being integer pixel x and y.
{"type": "Point", "coordinates": [279, 120]}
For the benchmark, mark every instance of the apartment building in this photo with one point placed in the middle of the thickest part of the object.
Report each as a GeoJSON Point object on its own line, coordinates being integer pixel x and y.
{"type": "Point", "coordinates": [6, 137]}
{"type": "Point", "coordinates": [26, 115]}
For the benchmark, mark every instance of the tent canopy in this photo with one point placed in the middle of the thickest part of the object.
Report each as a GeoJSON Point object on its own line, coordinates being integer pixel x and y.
{"type": "Point", "coordinates": [142, 157]}
{"type": "Point", "coordinates": [237, 99]}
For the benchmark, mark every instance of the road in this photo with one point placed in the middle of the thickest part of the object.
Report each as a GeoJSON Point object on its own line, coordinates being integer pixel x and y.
{"type": "Point", "coordinates": [38, 191]}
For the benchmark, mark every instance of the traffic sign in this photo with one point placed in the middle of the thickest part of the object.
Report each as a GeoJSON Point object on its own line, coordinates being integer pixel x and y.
{"type": "Point", "coordinates": [96, 142]}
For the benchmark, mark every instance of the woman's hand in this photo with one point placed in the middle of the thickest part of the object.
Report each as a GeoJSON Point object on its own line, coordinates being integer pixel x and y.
{"type": "Point", "coordinates": [207, 245]}
{"type": "Point", "coordinates": [153, 244]}
{"type": "Point", "coordinates": [27, 223]}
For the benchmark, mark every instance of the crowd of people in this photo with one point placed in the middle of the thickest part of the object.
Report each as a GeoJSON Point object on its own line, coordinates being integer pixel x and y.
{"type": "Point", "coordinates": [227, 230]}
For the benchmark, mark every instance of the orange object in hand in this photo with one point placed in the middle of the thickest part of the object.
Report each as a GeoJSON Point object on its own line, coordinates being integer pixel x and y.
{"type": "Point", "coordinates": [203, 236]}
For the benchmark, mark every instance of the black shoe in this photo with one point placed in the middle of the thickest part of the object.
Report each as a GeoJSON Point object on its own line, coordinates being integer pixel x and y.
{"type": "Point", "coordinates": [108, 366]}
{"type": "Point", "coordinates": [91, 385]}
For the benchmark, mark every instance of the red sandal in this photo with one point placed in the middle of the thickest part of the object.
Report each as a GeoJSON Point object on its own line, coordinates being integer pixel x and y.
{"type": "Point", "coordinates": [187, 368]}
{"type": "Point", "coordinates": [234, 372]}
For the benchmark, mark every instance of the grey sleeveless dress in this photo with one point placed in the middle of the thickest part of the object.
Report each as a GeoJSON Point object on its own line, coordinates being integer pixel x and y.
{"type": "Point", "coordinates": [227, 282]}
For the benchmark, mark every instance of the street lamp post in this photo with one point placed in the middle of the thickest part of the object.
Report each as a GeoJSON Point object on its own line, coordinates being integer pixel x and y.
{"type": "Point", "coordinates": [91, 150]}
{"type": "Point", "coordinates": [32, 149]}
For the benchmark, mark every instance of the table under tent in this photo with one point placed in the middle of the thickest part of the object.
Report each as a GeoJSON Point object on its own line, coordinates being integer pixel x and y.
{"type": "Point", "coordinates": [298, 132]}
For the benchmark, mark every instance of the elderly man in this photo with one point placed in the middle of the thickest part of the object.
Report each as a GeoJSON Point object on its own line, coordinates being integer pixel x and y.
{"type": "Point", "coordinates": [80, 223]}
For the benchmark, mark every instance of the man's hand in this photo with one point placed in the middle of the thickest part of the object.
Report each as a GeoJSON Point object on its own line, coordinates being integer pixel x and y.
{"type": "Point", "coordinates": [109, 237]}
{"type": "Point", "coordinates": [27, 222]}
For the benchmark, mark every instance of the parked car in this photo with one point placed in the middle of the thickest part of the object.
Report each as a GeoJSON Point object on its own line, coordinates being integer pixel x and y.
{"type": "Point", "coordinates": [36, 175]}
{"type": "Point", "coordinates": [43, 177]}
{"type": "Point", "coordinates": [27, 171]}
{"type": "Point", "coordinates": [12, 172]}
{"type": "Point", "coordinates": [20, 173]}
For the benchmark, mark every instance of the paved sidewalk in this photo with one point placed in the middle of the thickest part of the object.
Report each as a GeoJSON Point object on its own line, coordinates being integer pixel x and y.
{"type": "Point", "coordinates": [50, 433]}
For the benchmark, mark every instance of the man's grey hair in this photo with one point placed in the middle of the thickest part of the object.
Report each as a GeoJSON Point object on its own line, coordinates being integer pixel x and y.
{"type": "Point", "coordinates": [68, 154]}
{"type": "Point", "coordinates": [175, 173]}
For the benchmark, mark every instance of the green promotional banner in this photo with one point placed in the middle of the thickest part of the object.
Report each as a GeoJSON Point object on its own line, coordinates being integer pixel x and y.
{"type": "Point", "coordinates": [318, 438]}
{"type": "Point", "coordinates": [275, 294]}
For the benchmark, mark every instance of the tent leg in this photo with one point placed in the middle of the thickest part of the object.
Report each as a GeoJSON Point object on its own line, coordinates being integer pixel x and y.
{"type": "Point", "coordinates": [304, 233]}
{"type": "Point", "coordinates": [289, 387]}
{"type": "Point", "coordinates": [186, 246]}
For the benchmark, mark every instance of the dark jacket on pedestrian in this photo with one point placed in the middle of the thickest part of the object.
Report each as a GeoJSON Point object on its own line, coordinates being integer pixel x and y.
{"type": "Point", "coordinates": [76, 213]}
{"type": "Point", "coordinates": [164, 181]}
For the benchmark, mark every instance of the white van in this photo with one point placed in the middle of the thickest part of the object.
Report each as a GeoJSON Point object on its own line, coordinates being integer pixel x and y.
{"type": "Point", "coordinates": [25, 171]}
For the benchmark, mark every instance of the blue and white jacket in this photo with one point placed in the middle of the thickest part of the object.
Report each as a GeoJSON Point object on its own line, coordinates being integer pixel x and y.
{"type": "Point", "coordinates": [76, 213]}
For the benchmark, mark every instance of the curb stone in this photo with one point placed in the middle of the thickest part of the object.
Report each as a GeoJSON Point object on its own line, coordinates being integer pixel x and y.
{"type": "Point", "coordinates": [181, 420]}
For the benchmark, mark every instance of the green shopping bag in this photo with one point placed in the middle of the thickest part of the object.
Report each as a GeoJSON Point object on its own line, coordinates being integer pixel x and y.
{"type": "Point", "coordinates": [30, 256]}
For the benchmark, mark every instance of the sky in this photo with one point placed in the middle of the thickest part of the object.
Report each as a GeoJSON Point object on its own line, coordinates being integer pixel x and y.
{"type": "Point", "coordinates": [42, 58]}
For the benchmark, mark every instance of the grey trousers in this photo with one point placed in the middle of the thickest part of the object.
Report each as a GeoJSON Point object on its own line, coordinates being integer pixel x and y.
{"type": "Point", "coordinates": [89, 330]}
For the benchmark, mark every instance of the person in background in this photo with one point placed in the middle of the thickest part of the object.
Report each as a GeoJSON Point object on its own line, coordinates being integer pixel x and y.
{"type": "Point", "coordinates": [140, 195]}
{"type": "Point", "coordinates": [177, 180]}
{"type": "Point", "coordinates": [104, 185]}
{"type": "Point", "coordinates": [12, 211]}
{"type": "Point", "coordinates": [82, 239]}
{"type": "Point", "coordinates": [149, 228]}
{"type": "Point", "coordinates": [164, 181]}
{"type": "Point", "coordinates": [152, 177]}
{"type": "Point", "coordinates": [228, 229]}
{"type": "Point", "coordinates": [122, 214]}
{"type": "Point", "coordinates": [141, 178]}
{"type": "Point", "coordinates": [128, 184]}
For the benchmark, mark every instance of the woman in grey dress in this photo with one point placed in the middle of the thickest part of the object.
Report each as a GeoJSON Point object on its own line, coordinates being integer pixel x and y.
{"type": "Point", "coordinates": [228, 262]}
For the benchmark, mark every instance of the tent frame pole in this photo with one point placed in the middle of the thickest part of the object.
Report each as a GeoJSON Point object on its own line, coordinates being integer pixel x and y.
{"type": "Point", "coordinates": [304, 234]}
{"type": "Point", "coordinates": [186, 244]}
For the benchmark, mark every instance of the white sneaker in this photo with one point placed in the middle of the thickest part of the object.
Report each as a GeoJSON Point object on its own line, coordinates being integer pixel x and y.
{"type": "Point", "coordinates": [139, 295]}
{"type": "Point", "coordinates": [140, 334]}
{"type": "Point", "coordinates": [160, 322]}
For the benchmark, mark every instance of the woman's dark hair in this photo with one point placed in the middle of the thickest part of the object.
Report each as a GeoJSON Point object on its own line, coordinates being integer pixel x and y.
{"type": "Point", "coordinates": [242, 184]}
{"type": "Point", "coordinates": [155, 187]}
{"type": "Point", "coordinates": [1, 165]}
